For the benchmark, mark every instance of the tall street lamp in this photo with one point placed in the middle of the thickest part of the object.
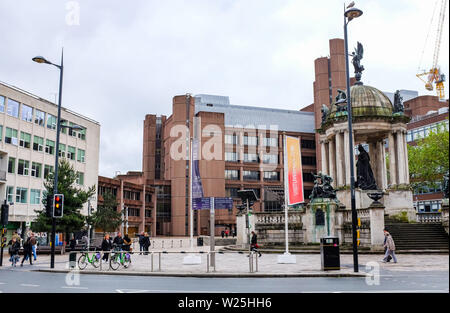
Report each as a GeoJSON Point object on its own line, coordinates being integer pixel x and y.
{"type": "Point", "coordinates": [351, 13]}
{"type": "Point", "coordinates": [40, 59]}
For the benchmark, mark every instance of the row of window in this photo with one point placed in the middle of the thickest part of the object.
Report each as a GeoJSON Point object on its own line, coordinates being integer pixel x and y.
{"type": "Point", "coordinates": [422, 132]}
{"type": "Point", "coordinates": [428, 206]}
{"type": "Point", "coordinates": [252, 175]}
{"type": "Point", "coordinates": [251, 141]}
{"type": "Point", "coordinates": [428, 188]}
{"type": "Point", "coordinates": [21, 195]}
{"type": "Point", "coordinates": [251, 158]}
{"type": "Point", "coordinates": [12, 108]}
{"type": "Point", "coordinates": [11, 137]}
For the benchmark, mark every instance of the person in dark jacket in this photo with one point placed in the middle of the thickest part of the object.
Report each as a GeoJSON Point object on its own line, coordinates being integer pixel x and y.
{"type": "Point", "coordinates": [72, 243]}
{"type": "Point", "coordinates": [27, 251]}
{"type": "Point", "coordinates": [106, 246]}
{"type": "Point", "coordinates": [14, 251]}
{"type": "Point", "coordinates": [141, 242]}
{"type": "Point", "coordinates": [146, 243]}
{"type": "Point", "coordinates": [118, 241]}
{"type": "Point", "coordinates": [126, 243]}
{"type": "Point", "coordinates": [254, 243]}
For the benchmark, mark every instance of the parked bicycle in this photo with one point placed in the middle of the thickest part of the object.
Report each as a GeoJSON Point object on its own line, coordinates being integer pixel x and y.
{"type": "Point", "coordinates": [84, 260]}
{"type": "Point", "coordinates": [119, 257]}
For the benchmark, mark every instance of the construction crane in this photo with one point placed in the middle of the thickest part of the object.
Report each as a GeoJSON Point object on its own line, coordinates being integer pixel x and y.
{"type": "Point", "coordinates": [434, 75]}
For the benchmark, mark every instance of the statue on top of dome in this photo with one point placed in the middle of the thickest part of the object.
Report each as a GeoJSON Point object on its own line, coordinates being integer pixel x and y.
{"type": "Point", "coordinates": [398, 103]}
{"type": "Point", "coordinates": [357, 57]}
{"type": "Point", "coordinates": [341, 101]}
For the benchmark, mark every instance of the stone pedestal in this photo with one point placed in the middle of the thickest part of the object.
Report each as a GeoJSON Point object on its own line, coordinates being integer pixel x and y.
{"type": "Point", "coordinates": [243, 233]}
{"type": "Point", "coordinates": [445, 205]}
{"type": "Point", "coordinates": [319, 220]}
{"type": "Point", "coordinates": [376, 217]}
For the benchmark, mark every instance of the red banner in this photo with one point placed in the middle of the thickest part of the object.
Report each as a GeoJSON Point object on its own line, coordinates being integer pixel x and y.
{"type": "Point", "coordinates": [293, 170]}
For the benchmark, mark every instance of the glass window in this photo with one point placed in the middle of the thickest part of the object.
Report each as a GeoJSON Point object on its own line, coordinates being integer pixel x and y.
{"type": "Point", "coordinates": [25, 140]}
{"type": "Point", "coordinates": [270, 142]}
{"type": "Point", "coordinates": [231, 156]}
{"type": "Point", "coordinates": [272, 176]}
{"type": "Point", "coordinates": [250, 140]}
{"type": "Point", "coordinates": [62, 150]}
{"type": "Point", "coordinates": [50, 147]}
{"type": "Point", "coordinates": [80, 178]}
{"type": "Point", "coordinates": [308, 144]}
{"type": "Point", "coordinates": [27, 113]}
{"type": "Point", "coordinates": [47, 170]}
{"type": "Point", "coordinates": [36, 169]}
{"type": "Point", "coordinates": [231, 139]}
{"type": "Point", "coordinates": [81, 156]}
{"type": "Point", "coordinates": [51, 121]}
{"type": "Point", "coordinates": [35, 196]}
{"type": "Point", "coordinates": [232, 174]}
{"type": "Point", "coordinates": [71, 153]}
{"type": "Point", "coordinates": [82, 134]}
{"type": "Point", "coordinates": [12, 165]}
{"type": "Point", "coordinates": [23, 167]}
{"type": "Point", "coordinates": [11, 136]}
{"type": "Point", "coordinates": [38, 143]}
{"type": "Point", "coordinates": [72, 132]}
{"type": "Point", "coordinates": [270, 159]}
{"type": "Point", "coordinates": [21, 195]}
{"type": "Point", "coordinates": [231, 192]}
{"type": "Point", "coordinates": [251, 157]}
{"type": "Point", "coordinates": [251, 175]}
{"type": "Point", "coordinates": [2, 104]}
{"type": "Point", "coordinates": [13, 108]}
{"type": "Point", "coordinates": [10, 194]}
{"type": "Point", "coordinates": [39, 117]}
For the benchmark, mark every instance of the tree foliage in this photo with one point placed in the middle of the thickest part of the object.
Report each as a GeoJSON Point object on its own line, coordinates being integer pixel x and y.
{"type": "Point", "coordinates": [106, 217]}
{"type": "Point", "coordinates": [74, 199]}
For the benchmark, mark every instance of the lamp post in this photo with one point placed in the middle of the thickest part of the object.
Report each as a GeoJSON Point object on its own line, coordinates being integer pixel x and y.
{"type": "Point", "coordinates": [350, 14]}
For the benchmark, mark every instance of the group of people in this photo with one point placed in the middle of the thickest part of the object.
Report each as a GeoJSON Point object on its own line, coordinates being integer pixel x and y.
{"type": "Point", "coordinates": [29, 249]}
{"type": "Point", "coordinates": [120, 243]}
{"type": "Point", "coordinates": [227, 232]}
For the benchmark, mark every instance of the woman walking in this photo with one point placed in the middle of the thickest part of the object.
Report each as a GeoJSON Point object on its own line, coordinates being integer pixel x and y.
{"type": "Point", "coordinates": [106, 246]}
{"type": "Point", "coordinates": [146, 243]}
{"type": "Point", "coordinates": [390, 247]}
{"type": "Point", "coordinates": [14, 251]}
{"type": "Point", "coordinates": [27, 251]}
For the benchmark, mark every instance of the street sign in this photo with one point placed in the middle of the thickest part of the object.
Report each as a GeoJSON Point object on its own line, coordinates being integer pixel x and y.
{"type": "Point", "coordinates": [205, 203]}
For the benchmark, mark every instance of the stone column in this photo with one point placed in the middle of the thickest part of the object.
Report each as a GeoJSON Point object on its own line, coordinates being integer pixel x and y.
{"type": "Point", "coordinates": [373, 154]}
{"type": "Point", "coordinates": [347, 158]}
{"type": "Point", "coordinates": [401, 158]}
{"type": "Point", "coordinates": [332, 159]}
{"type": "Point", "coordinates": [392, 161]}
{"type": "Point", "coordinates": [376, 213]}
{"type": "Point", "coordinates": [406, 158]}
{"type": "Point", "coordinates": [324, 157]}
{"type": "Point", "coordinates": [339, 165]}
{"type": "Point", "coordinates": [383, 170]}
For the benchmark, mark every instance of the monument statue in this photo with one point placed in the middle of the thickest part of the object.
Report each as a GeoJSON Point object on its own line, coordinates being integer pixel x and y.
{"type": "Point", "coordinates": [357, 57]}
{"type": "Point", "coordinates": [325, 111]}
{"type": "Point", "coordinates": [445, 186]}
{"type": "Point", "coordinates": [322, 187]}
{"type": "Point", "coordinates": [398, 103]}
{"type": "Point", "coordinates": [366, 180]}
{"type": "Point", "coordinates": [341, 101]}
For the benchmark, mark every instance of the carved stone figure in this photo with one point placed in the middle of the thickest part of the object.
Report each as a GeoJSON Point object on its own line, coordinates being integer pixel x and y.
{"type": "Point", "coordinates": [398, 103]}
{"type": "Point", "coordinates": [322, 187]}
{"type": "Point", "coordinates": [341, 101]}
{"type": "Point", "coordinates": [357, 57]}
{"type": "Point", "coordinates": [366, 180]}
{"type": "Point", "coordinates": [325, 111]}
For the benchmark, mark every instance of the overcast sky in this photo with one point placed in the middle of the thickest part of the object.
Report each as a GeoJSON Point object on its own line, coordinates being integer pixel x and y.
{"type": "Point", "coordinates": [126, 59]}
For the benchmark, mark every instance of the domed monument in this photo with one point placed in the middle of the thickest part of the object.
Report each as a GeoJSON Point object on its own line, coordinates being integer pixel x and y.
{"type": "Point", "coordinates": [378, 125]}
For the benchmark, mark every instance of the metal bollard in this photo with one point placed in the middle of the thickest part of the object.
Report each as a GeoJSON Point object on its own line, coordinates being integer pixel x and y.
{"type": "Point", "coordinates": [207, 263]}
{"type": "Point", "coordinates": [160, 261]}
{"type": "Point", "coordinates": [181, 243]}
{"type": "Point", "coordinates": [162, 244]}
{"type": "Point", "coordinates": [172, 244]}
{"type": "Point", "coordinates": [152, 260]}
{"type": "Point", "coordinates": [250, 260]}
{"type": "Point", "coordinates": [256, 263]}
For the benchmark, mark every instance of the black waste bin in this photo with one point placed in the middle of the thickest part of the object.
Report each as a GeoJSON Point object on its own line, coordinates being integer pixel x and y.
{"type": "Point", "coordinates": [329, 253]}
{"type": "Point", "coordinates": [200, 242]}
{"type": "Point", "coordinates": [72, 259]}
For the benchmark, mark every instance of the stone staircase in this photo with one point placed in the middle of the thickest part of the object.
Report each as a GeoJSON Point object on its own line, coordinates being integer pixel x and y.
{"type": "Point", "coordinates": [418, 236]}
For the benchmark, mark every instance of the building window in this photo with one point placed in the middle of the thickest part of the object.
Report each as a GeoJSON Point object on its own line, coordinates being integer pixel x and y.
{"type": "Point", "coordinates": [25, 140]}
{"type": "Point", "coordinates": [270, 142]}
{"type": "Point", "coordinates": [81, 156]}
{"type": "Point", "coordinates": [71, 153]}
{"type": "Point", "coordinates": [21, 195]}
{"type": "Point", "coordinates": [39, 117]}
{"type": "Point", "coordinates": [27, 113]}
{"type": "Point", "coordinates": [231, 192]}
{"type": "Point", "coordinates": [82, 134]}
{"type": "Point", "coordinates": [2, 104]}
{"type": "Point", "coordinates": [272, 176]}
{"type": "Point", "coordinates": [308, 177]}
{"type": "Point", "coordinates": [38, 143]}
{"type": "Point", "coordinates": [13, 108]}
{"type": "Point", "coordinates": [35, 196]}
{"type": "Point", "coordinates": [231, 157]}
{"type": "Point", "coordinates": [148, 213]}
{"type": "Point", "coordinates": [270, 159]}
{"type": "Point", "coordinates": [232, 174]}
{"type": "Point", "coordinates": [49, 146]}
{"type": "Point", "coordinates": [231, 139]}
{"type": "Point", "coordinates": [148, 198]}
{"type": "Point", "coordinates": [62, 150]}
{"type": "Point", "coordinates": [36, 169]}
{"type": "Point", "coordinates": [428, 206]}
{"type": "Point", "coordinates": [12, 165]}
{"type": "Point", "coordinates": [80, 178]}
{"type": "Point", "coordinates": [251, 175]}
{"type": "Point", "coordinates": [47, 170]}
{"type": "Point", "coordinates": [23, 167]}
{"type": "Point", "coordinates": [250, 140]}
{"type": "Point", "coordinates": [10, 194]}
{"type": "Point", "coordinates": [308, 160]}
{"type": "Point", "coordinates": [134, 212]}
{"type": "Point", "coordinates": [251, 158]}
{"type": "Point", "coordinates": [257, 192]}
{"type": "Point", "coordinates": [308, 144]}
{"type": "Point", "coordinates": [51, 121]}
{"type": "Point", "coordinates": [11, 136]}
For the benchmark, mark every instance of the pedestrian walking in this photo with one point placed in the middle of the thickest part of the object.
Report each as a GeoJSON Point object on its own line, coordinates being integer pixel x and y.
{"type": "Point", "coordinates": [146, 243]}
{"type": "Point", "coordinates": [389, 258]}
{"type": "Point", "coordinates": [33, 246]}
{"type": "Point", "coordinates": [72, 243]}
{"type": "Point", "coordinates": [118, 241]}
{"type": "Point", "coordinates": [254, 243]}
{"type": "Point", "coordinates": [106, 246]}
{"type": "Point", "coordinates": [223, 234]}
{"type": "Point", "coordinates": [126, 243]}
{"type": "Point", "coordinates": [390, 247]}
{"type": "Point", "coordinates": [27, 251]}
{"type": "Point", "coordinates": [227, 233]}
{"type": "Point", "coordinates": [141, 242]}
{"type": "Point", "coordinates": [14, 251]}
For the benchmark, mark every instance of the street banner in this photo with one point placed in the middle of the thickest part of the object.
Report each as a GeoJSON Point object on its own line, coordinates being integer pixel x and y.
{"type": "Point", "coordinates": [293, 171]}
{"type": "Point", "coordinates": [197, 188]}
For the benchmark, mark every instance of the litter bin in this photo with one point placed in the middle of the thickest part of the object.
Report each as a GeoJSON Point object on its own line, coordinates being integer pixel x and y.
{"type": "Point", "coordinates": [200, 242]}
{"type": "Point", "coordinates": [329, 253]}
{"type": "Point", "coordinates": [72, 259]}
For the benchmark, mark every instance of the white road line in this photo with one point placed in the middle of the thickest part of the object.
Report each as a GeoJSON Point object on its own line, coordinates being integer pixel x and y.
{"type": "Point", "coordinates": [66, 287]}
{"type": "Point", "coordinates": [29, 285]}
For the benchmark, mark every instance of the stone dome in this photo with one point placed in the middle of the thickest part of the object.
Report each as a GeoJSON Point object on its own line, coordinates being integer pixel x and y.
{"type": "Point", "coordinates": [367, 101]}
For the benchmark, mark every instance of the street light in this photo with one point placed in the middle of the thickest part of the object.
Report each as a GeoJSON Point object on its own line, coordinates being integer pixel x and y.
{"type": "Point", "coordinates": [40, 59]}
{"type": "Point", "coordinates": [350, 14]}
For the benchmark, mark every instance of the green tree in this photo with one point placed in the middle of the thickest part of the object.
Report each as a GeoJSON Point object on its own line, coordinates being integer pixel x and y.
{"type": "Point", "coordinates": [74, 199]}
{"type": "Point", "coordinates": [429, 159]}
{"type": "Point", "coordinates": [106, 217]}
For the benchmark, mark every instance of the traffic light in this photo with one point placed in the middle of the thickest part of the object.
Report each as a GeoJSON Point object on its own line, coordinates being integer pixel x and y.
{"type": "Point", "coordinates": [49, 206]}
{"type": "Point", "coordinates": [58, 205]}
{"type": "Point", "coordinates": [4, 214]}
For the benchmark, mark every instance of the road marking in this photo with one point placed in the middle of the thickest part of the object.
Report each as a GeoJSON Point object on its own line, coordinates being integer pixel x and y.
{"type": "Point", "coordinates": [66, 287]}
{"type": "Point", "coordinates": [29, 285]}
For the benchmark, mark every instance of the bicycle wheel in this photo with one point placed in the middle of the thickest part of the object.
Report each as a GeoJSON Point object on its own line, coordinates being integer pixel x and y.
{"type": "Point", "coordinates": [114, 262]}
{"type": "Point", "coordinates": [96, 260]}
{"type": "Point", "coordinates": [82, 262]}
{"type": "Point", "coordinates": [126, 260]}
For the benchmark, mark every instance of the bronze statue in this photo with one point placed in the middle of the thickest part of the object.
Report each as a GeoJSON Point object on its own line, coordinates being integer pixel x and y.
{"type": "Point", "coordinates": [366, 180]}
{"type": "Point", "coordinates": [357, 57]}
{"type": "Point", "coordinates": [398, 103]}
{"type": "Point", "coordinates": [322, 187]}
{"type": "Point", "coordinates": [325, 111]}
{"type": "Point", "coordinates": [341, 101]}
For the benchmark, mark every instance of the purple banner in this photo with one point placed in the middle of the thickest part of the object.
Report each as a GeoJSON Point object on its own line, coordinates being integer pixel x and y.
{"type": "Point", "coordinates": [197, 188]}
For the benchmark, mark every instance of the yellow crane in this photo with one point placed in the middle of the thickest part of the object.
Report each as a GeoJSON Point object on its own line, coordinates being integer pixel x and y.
{"type": "Point", "coordinates": [434, 75]}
